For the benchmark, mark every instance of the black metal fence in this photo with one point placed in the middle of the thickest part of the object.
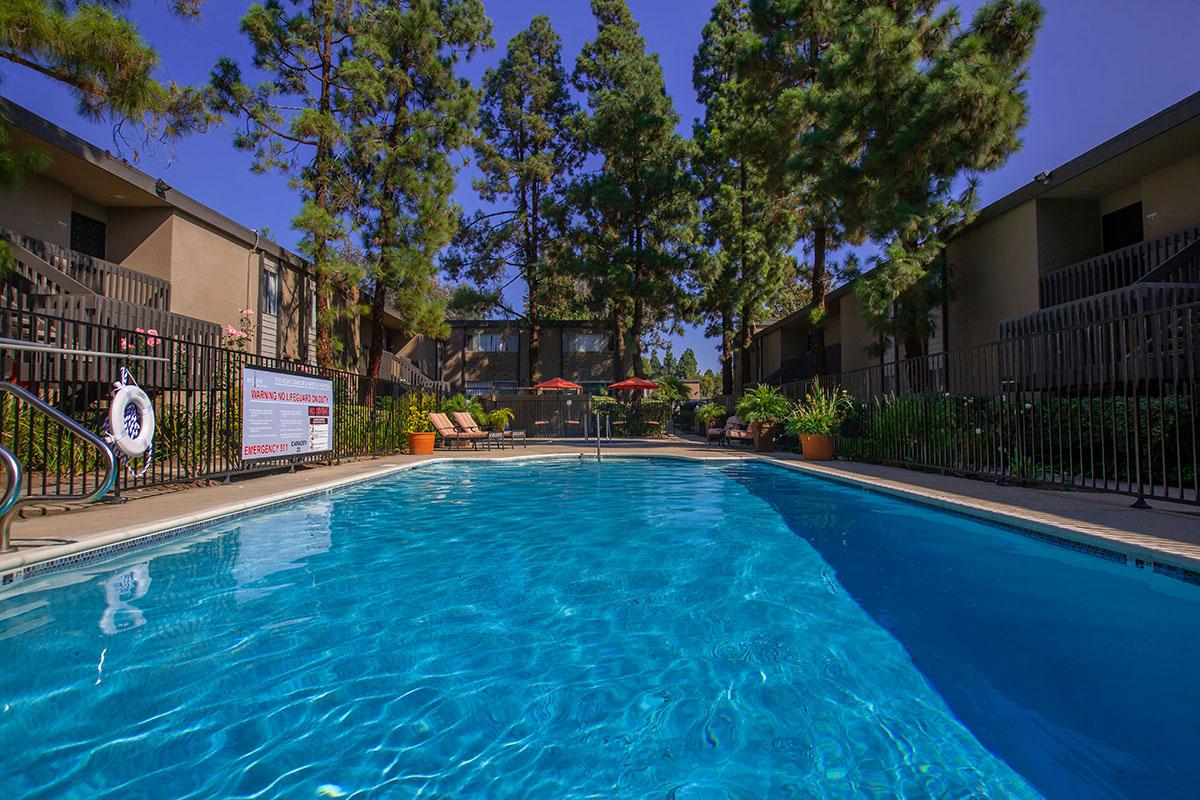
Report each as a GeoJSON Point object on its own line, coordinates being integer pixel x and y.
{"type": "Point", "coordinates": [1110, 406]}
{"type": "Point", "coordinates": [196, 391]}
{"type": "Point", "coordinates": [547, 416]}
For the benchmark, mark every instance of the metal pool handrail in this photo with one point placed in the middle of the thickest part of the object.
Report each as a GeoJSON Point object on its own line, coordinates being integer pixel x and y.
{"type": "Point", "coordinates": [12, 501]}
{"type": "Point", "coordinates": [12, 469]}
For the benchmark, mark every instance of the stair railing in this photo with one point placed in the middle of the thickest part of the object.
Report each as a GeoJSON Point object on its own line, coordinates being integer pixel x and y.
{"type": "Point", "coordinates": [12, 500]}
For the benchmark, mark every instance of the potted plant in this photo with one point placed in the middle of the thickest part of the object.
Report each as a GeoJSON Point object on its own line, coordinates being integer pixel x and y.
{"type": "Point", "coordinates": [498, 419]}
{"type": "Point", "coordinates": [419, 428]}
{"type": "Point", "coordinates": [709, 415]}
{"type": "Point", "coordinates": [816, 420]}
{"type": "Point", "coordinates": [763, 408]}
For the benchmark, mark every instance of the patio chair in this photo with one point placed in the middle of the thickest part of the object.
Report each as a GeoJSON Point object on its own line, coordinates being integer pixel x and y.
{"type": "Point", "coordinates": [736, 431]}
{"type": "Point", "coordinates": [448, 433]}
{"type": "Point", "coordinates": [717, 435]}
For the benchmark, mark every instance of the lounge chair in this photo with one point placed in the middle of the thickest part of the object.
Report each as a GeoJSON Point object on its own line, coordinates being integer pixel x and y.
{"type": "Point", "coordinates": [448, 433]}
{"type": "Point", "coordinates": [467, 424]}
{"type": "Point", "coordinates": [736, 431]}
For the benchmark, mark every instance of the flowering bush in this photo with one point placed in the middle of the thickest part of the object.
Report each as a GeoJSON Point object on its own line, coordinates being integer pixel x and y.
{"type": "Point", "coordinates": [238, 337]}
{"type": "Point", "coordinates": [143, 341]}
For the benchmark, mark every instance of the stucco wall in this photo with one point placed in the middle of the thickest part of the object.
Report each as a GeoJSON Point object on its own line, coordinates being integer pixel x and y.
{"type": "Point", "coordinates": [1067, 231]}
{"type": "Point", "coordinates": [212, 277]}
{"type": "Point", "coordinates": [40, 208]}
{"type": "Point", "coordinates": [995, 275]}
{"type": "Point", "coordinates": [772, 354]}
{"type": "Point", "coordinates": [1171, 197]}
{"type": "Point", "coordinates": [1121, 198]}
{"type": "Point", "coordinates": [854, 335]}
{"type": "Point", "coordinates": [81, 205]}
{"type": "Point", "coordinates": [140, 238]}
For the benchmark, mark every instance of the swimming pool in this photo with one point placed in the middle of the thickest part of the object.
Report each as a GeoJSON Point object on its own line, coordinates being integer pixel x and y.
{"type": "Point", "coordinates": [567, 629]}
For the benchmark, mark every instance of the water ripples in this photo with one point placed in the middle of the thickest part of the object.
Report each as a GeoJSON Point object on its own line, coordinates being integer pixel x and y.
{"type": "Point", "coordinates": [507, 636]}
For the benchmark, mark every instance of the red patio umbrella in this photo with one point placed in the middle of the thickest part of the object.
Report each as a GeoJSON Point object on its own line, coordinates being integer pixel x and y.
{"type": "Point", "coordinates": [559, 384]}
{"type": "Point", "coordinates": [633, 384]}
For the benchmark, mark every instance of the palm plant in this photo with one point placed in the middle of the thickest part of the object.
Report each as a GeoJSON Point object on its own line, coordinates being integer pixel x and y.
{"type": "Point", "coordinates": [763, 405]}
{"type": "Point", "coordinates": [460, 402]}
{"type": "Point", "coordinates": [820, 413]}
{"type": "Point", "coordinates": [711, 412]}
{"type": "Point", "coordinates": [499, 418]}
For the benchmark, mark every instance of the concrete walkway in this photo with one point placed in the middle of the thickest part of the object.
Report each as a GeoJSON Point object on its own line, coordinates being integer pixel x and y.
{"type": "Point", "coordinates": [1169, 533]}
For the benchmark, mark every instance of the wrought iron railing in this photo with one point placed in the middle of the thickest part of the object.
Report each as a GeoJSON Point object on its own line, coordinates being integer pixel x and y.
{"type": "Point", "coordinates": [197, 396]}
{"type": "Point", "coordinates": [1112, 406]}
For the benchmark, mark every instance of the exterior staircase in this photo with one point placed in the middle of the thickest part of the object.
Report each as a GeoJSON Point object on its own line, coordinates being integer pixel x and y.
{"type": "Point", "coordinates": [60, 284]}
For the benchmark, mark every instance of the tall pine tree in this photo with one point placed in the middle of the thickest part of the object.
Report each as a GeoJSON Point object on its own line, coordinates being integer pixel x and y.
{"type": "Point", "coordinates": [635, 216]}
{"type": "Point", "coordinates": [791, 68]}
{"type": "Point", "coordinates": [747, 229]}
{"type": "Point", "coordinates": [947, 104]}
{"type": "Point", "coordinates": [292, 125]}
{"type": "Point", "coordinates": [527, 153]}
{"type": "Point", "coordinates": [407, 113]}
{"type": "Point", "coordinates": [880, 109]}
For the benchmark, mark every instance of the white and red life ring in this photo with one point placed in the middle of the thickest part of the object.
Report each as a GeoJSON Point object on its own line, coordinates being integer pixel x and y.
{"type": "Point", "coordinates": [131, 440]}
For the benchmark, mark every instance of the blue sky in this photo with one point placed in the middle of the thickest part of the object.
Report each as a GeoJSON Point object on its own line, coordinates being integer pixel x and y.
{"type": "Point", "coordinates": [1100, 66]}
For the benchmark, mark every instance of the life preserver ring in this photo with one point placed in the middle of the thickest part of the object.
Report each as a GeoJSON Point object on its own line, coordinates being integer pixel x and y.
{"type": "Point", "coordinates": [132, 445]}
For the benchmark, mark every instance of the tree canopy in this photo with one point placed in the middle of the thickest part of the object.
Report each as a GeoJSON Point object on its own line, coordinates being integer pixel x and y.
{"type": "Point", "coordinates": [634, 216]}
{"type": "Point", "coordinates": [526, 152]}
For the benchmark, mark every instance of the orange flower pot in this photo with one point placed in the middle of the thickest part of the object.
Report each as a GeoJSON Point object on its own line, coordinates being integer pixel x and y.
{"type": "Point", "coordinates": [816, 448]}
{"type": "Point", "coordinates": [420, 443]}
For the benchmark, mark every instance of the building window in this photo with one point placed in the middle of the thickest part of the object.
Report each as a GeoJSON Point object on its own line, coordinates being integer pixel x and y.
{"type": "Point", "coordinates": [491, 343]}
{"type": "Point", "coordinates": [87, 235]}
{"type": "Point", "coordinates": [477, 388]}
{"type": "Point", "coordinates": [587, 342]}
{"type": "Point", "coordinates": [269, 302]}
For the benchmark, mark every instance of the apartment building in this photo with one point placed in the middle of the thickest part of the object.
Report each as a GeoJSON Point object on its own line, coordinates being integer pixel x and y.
{"type": "Point", "coordinates": [490, 356]}
{"type": "Point", "coordinates": [1109, 234]}
{"type": "Point", "coordinates": [96, 239]}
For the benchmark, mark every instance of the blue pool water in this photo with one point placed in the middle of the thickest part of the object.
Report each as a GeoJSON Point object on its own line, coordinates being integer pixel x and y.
{"type": "Point", "coordinates": [567, 629]}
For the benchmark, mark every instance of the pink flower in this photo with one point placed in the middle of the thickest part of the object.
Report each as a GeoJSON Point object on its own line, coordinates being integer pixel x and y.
{"type": "Point", "coordinates": [124, 344]}
{"type": "Point", "coordinates": [232, 331]}
{"type": "Point", "coordinates": [246, 312]}
{"type": "Point", "coordinates": [152, 342]}
{"type": "Point", "coordinates": [152, 331]}
{"type": "Point", "coordinates": [139, 330]}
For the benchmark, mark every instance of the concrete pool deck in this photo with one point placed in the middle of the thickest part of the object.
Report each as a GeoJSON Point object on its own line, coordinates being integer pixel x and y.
{"type": "Point", "coordinates": [1169, 533]}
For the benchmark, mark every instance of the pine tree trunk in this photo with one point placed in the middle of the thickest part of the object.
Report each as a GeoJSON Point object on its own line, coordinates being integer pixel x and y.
{"type": "Point", "coordinates": [532, 260]}
{"type": "Point", "coordinates": [639, 366]}
{"type": "Point", "coordinates": [618, 342]}
{"type": "Point", "coordinates": [746, 338]}
{"type": "Point", "coordinates": [819, 281]}
{"type": "Point", "coordinates": [321, 195]}
{"type": "Point", "coordinates": [726, 353]}
{"type": "Point", "coordinates": [375, 357]}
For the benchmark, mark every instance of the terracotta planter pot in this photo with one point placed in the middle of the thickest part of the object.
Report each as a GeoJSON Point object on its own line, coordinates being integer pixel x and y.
{"type": "Point", "coordinates": [420, 443]}
{"type": "Point", "coordinates": [816, 448]}
{"type": "Point", "coordinates": [764, 436]}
